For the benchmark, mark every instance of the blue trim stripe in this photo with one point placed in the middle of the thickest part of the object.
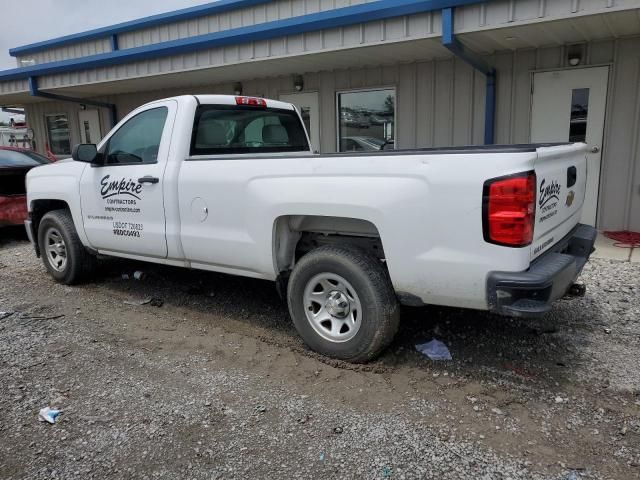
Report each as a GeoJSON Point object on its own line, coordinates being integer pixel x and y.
{"type": "Point", "coordinates": [292, 26]}
{"type": "Point", "coordinates": [450, 42]}
{"type": "Point", "coordinates": [458, 49]}
{"type": "Point", "coordinates": [35, 92]}
{"type": "Point", "coordinates": [151, 21]}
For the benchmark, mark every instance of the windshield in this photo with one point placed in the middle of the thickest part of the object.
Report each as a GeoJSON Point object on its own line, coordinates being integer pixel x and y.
{"type": "Point", "coordinates": [14, 158]}
{"type": "Point", "coordinates": [230, 129]}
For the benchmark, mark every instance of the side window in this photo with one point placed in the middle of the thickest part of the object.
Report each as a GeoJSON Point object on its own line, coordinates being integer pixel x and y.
{"type": "Point", "coordinates": [138, 140]}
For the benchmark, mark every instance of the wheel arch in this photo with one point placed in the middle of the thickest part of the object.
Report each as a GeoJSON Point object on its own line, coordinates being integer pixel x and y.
{"type": "Point", "coordinates": [38, 209]}
{"type": "Point", "coordinates": [295, 235]}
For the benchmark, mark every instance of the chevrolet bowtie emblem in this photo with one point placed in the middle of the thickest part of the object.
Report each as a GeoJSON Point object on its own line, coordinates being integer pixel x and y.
{"type": "Point", "coordinates": [570, 198]}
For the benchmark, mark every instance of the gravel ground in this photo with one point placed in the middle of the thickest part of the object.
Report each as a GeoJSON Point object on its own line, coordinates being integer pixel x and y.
{"type": "Point", "coordinates": [215, 384]}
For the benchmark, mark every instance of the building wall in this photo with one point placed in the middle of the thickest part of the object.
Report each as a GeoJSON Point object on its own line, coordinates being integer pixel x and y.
{"type": "Point", "coordinates": [480, 16]}
{"type": "Point", "coordinates": [603, 17]}
{"type": "Point", "coordinates": [441, 103]}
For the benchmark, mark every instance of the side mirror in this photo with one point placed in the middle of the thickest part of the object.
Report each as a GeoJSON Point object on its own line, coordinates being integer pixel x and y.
{"type": "Point", "coordinates": [85, 152]}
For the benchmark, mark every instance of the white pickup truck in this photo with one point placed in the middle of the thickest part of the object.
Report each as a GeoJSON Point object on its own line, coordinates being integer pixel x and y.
{"type": "Point", "coordinates": [230, 184]}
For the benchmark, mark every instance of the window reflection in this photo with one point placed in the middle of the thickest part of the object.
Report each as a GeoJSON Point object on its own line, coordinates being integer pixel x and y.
{"type": "Point", "coordinates": [58, 134]}
{"type": "Point", "coordinates": [367, 120]}
{"type": "Point", "coordinates": [579, 114]}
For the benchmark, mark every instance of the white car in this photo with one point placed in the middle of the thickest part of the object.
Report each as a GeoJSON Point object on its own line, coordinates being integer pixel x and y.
{"type": "Point", "coordinates": [230, 184]}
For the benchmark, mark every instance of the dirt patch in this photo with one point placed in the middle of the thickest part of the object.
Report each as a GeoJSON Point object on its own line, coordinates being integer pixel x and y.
{"type": "Point", "coordinates": [216, 384]}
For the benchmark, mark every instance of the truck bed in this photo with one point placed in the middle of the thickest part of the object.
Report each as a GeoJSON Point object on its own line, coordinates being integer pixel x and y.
{"type": "Point", "coordinates": [469, 149]}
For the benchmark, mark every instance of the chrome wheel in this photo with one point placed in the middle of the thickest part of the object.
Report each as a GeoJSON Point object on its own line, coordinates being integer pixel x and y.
{"type": "Point", "coordinates": [56, 249]}
{"type": "Point", "coordinates": [332, 307]}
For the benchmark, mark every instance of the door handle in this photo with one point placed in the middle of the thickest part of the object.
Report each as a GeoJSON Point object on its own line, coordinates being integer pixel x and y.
{"type": "Point", "coordinates": [572, 176]}
{"type": "Point", "coordinates": [148, 179]}
{"type": "Point", "coordinates": [595, 149]}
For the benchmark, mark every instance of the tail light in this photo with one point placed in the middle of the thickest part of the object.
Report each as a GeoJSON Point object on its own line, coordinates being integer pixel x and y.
{"type": "Point", "coordinates": [251, 101]}
{"type": "Point", "coordinates": [509, 210]}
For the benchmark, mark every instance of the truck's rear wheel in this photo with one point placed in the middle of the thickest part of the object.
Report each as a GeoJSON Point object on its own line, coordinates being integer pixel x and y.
{"type": "Point", "coordinates": [63, 254]}
{"type": "Point", "coordinates": [342, 303]}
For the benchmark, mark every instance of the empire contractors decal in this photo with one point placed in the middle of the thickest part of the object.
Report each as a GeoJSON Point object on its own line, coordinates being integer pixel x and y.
{"type": "Point", "coordinates": [121, 196]}
{"type": "Point", "coordinates": [549, 196]}
{"type": "Point", "coordinates": [119, 187]}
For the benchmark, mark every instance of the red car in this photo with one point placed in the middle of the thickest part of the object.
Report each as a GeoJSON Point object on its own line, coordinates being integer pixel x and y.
{"type": "Point", "coordinates": [14, 165]}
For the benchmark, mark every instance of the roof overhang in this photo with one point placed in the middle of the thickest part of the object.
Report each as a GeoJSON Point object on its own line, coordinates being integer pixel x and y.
{"type": "Point", "coordinates": [151, 21]}
{"type": "Point", "coordinates": [340, 17]}
{"type": "Point", "coordinates": [204, 78]}
{"type": "Point", "coordinates": [508, 36]}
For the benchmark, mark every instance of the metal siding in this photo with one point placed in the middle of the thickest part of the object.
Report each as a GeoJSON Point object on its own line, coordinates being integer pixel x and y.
{"type": "Point", "coordinates": [619, 206]}
{"type": "Point", "coordinates": [463, 103]}
{"type": "Point", "coordinates": [484, 16]}
{"type": "Point", "coordinates": [77, 50]}
{"type": "Point", "coordinates": [277, 10]}
{"type": "Point", "coordinates": [406, 105]}
{"type": "Point", "coordinates": [36, 112]}
{"type": "Point", "coordinates": [441, 103]}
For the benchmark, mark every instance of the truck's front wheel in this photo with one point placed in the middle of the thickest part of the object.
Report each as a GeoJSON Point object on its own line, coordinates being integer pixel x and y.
{"type": "Point", "coordinates": [342, 303]}
{"type": "Point", "coordinates": [63, 254]}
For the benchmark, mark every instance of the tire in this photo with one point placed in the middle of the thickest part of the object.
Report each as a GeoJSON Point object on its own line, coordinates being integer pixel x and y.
{"type": "Point", "coordinates": [62, 253]}
{"type": "Point", "coordinates": [343, 304]}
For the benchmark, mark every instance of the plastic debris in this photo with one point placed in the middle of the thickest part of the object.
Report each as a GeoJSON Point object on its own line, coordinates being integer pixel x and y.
{"type": "Point", "coordinates": [338, 430]}
{"type": "Point", "coordinates": [125, 276]}
{"type": "Point", "coordinates": [143, 301]}
{"type": "Point", "coordinates": [156, 302]}
{"type": "Point", "coordinates": [435, 350]}
{"type": "Point", "coordinates": [138, 275]}
{"type": "Point", "coordinates": [4, 315]}
{"type": "Point", "coordinates": [577, 290]}
{"type": "Point", "coordinates": [573, 475]}
{"type": "Point", "coordinates": [48, 415]}
{"type": "Point", "coordinates": [322, 457]}
{"type": "Point", "coordinates": [260, 409]}
{"type": "Point", "coordinates": [386, 472]}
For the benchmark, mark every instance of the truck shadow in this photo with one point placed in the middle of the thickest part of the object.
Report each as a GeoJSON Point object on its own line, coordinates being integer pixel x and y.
{"type": "Point", "coordinates": [481, 344]}
{"type": "Point", "coordinates": [12, 234]}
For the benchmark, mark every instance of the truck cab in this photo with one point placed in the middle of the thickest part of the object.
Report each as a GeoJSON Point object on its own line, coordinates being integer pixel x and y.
{"type": "Point", "coordinates": [230, 184]}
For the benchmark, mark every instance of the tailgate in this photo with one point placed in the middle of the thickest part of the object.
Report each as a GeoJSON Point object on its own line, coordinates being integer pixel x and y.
{"type": "Point", "coordinates": [561, 173]}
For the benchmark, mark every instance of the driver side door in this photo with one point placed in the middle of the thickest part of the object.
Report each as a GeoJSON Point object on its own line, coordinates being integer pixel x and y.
{"type": "Point", "coordinates": [122, 199]}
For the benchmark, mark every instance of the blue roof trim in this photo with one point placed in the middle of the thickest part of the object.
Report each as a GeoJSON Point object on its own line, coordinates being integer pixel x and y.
{"type": "Point", "coordinates": [317, 21]}
{"type": "Point", "coordinates": [146, 22]}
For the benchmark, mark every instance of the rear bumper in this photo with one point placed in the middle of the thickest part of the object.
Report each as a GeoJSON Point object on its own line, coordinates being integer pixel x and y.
{"type": "Point", "coordinates": [530, 293]}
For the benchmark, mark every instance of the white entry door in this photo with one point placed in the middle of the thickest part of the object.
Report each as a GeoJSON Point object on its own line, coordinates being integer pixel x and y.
{"type": "Point", "coordinates": [89, 121]}
{"type": "Point", "coordinates": [569, 106]}
{"type": "Point", "coordinates": [307, 103]}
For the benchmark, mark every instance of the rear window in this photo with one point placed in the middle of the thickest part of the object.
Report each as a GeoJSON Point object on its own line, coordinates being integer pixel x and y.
{"type": "Point", "coordinates": [13, 158]}
{"type": "Point", "coordinates": [233, 129]}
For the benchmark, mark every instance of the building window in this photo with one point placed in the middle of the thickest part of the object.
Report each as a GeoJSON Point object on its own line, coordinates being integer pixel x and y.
{"type": "Point", "coordinates": [366, 120]}
{"type": "Point", "coordinates": [58, 134]}
{"type": "Point", "coordinates": [579, 114]}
